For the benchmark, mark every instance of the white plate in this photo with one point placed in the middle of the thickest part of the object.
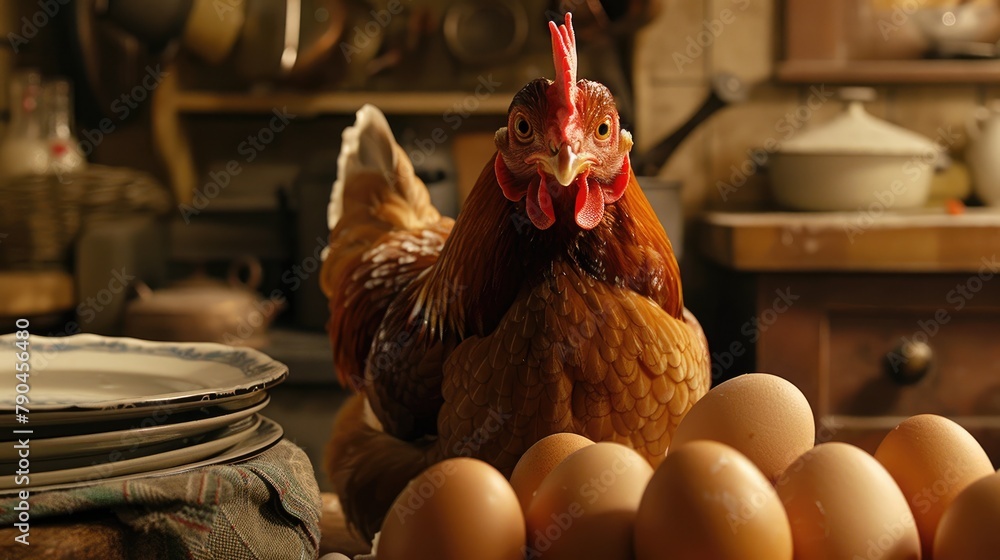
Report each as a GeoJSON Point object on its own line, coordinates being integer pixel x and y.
{"type": "Point", "coordinates": [130, 440]}
{"type": "Point", "coordinates": [91, 372]}
{"type": "Point", "coordinates": [238, 446]}
{"type": "Point", "coordinates": [74, 422]}
{"type": "Point", "coordinates": [114, 457]}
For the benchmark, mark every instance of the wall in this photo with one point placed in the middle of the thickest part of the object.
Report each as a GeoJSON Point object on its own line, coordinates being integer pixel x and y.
{"type": "Point", "coordinates": [677, 54]}
{"type": "Point", "coordinates": [675, 57]}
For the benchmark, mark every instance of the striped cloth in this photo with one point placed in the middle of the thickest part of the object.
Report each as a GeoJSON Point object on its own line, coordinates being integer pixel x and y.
{"type": "Point", "coordinates": [265, 508]}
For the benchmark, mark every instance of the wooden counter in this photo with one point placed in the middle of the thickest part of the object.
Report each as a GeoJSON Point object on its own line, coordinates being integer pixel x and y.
{"type": "Point", "coordinates": [918, 241]}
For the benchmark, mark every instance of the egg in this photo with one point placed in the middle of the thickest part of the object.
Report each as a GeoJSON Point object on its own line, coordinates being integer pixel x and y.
{"type": "Point", "coordinates": [843, 504]}
{"type": "Point", "coordinates": [585, 508]}
{"type": "Point", "coordinates": [706, 501]}
{"type": "Point", "coordinates": [455, 510]}
{"type": "Point", "coordinates": [763, 416]}
{"type": "Point", "coordinates": [970, 527]}
{"type": "Point", "coordinates": [539, 460]}
{"type": "Point", "coordinates": [932, 460]}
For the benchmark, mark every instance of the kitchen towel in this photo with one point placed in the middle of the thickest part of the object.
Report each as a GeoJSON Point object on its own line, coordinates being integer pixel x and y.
{"type": "Point", "coordinates": [264, 508]}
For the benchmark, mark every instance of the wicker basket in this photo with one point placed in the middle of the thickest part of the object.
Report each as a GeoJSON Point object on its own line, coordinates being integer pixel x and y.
{"type": "Point", "coordinates": [41, 216]}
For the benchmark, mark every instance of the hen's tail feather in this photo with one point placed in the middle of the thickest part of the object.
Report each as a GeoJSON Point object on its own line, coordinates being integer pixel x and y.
{"type": "Point", "coordinates": [375, 177]}
{"type": "Point", "coordinates": [368, 467]}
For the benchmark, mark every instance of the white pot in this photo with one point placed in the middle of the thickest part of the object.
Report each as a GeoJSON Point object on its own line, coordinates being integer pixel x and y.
{"type": "Point", "coordinates": [983, 154]}
{"type": "Point", "coordinates": [832, 182]}
{"type": "Point", "coordinates": [855, 161]}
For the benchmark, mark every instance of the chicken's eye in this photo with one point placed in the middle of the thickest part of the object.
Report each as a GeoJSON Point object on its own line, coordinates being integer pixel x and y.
{"type": "Point", "coordinates": [522, 128]}
{"type": "Point", "coordinates": [604, 130]}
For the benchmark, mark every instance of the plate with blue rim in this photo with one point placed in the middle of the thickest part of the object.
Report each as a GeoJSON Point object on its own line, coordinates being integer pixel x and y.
{"type": "Point", "coordinates": [93, 378]}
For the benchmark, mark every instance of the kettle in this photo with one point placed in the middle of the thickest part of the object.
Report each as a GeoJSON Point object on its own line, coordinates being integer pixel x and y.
{"type": "Point", "coordinates": [203, 309]}
{"type": "Point", "coordinates": [983, 153]}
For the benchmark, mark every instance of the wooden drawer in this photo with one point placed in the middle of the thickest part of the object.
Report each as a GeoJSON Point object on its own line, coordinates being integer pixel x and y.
{"type": "Point", "coordinates": [868, 348]}
{"type": "Point", "coordinates": [833, 342]}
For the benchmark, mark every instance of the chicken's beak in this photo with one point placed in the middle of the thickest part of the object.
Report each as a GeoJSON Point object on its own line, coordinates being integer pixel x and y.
{"type": "Point", "coordinates": [567, 164]}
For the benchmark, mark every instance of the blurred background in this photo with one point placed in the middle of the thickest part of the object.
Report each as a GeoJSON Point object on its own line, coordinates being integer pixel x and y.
{"type": "Point", "coordinates": [825, 171]}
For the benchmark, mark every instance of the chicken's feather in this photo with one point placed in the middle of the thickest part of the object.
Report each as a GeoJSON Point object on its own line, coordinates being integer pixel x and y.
{"type": "Point", "coordinates": [384, 233]}
{"type": "Point", "coordinates": [366, 147]}
{"type": "Point", "coordinates": [501, 396]}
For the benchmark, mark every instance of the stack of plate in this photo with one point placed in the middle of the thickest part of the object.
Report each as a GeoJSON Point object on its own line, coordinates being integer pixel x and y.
{"type": "Point", "coordinates": [102, 408]}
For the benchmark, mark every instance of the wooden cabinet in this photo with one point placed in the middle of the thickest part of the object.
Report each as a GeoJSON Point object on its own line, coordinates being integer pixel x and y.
{"type": "Point", "coordinates": [870, 346]}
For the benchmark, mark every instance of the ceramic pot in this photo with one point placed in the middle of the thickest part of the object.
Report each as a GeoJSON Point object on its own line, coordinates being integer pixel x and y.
{"type": "Point", "coordinates": [983, 153]}
{"type": "Point", "coordinates": [852, 162]}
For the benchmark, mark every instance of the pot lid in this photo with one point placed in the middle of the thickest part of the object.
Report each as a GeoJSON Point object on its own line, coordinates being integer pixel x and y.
{"type": "Point", "coordinates": [855, 131]}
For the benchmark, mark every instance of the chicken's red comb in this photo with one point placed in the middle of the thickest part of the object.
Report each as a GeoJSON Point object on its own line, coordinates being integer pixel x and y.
{"type": "Point", "coordinates": [564, 57]}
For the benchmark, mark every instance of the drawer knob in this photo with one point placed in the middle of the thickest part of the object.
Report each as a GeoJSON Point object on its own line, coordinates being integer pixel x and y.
{"type": "Point", "coordinates": [909, 362]}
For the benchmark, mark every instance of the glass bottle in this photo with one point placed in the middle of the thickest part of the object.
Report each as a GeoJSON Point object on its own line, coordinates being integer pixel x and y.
{"type": "Point", "coordinates": [65, 155]}
{"type": "Point", "coordinates": [24, 150]}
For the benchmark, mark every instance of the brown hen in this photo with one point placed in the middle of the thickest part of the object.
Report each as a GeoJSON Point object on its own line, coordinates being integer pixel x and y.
{"type": "Point", "coordinates": [553, 303]}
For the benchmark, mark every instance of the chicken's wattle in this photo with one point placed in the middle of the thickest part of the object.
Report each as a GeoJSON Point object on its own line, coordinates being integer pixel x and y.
{"type": "Point", "coordinates": [542, 190]}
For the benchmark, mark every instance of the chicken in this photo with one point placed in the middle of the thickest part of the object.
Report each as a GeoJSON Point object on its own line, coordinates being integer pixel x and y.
{"type": "Point", "coordinates": [553, 304]}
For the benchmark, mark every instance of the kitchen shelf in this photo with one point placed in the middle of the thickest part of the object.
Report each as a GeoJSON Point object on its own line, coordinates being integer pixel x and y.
{"type": "Point", "coordinates": [890, 71]}
{"type": "Point", "coordinates": [171, 103]}
{"type": "Point", "coordinates": [339, 103]}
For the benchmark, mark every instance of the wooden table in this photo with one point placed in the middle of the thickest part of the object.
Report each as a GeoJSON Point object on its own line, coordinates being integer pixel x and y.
{"type": "Point", "coordinates": [875, 317]}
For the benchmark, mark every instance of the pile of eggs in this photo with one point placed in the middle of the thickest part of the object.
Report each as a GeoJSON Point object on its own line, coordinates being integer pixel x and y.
{"type": "Point", "coordinates": [742, 480]}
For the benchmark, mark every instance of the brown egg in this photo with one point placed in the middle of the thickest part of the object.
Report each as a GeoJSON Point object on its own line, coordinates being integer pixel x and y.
{"type": "Point", "coordinates": [586, 507]}
{"type": "Point", "coordinates": [455, 510]}
{"type": "Point", "coordinates": [842, 504]}
{"type": "Point", "coordinates": [706, 501]}
{"type": "Point", "coordinates": [539, 460]}
{"type": "Point", "coordinates": [932, 460]}
{"type": "Point", "coordinates": [970, 527]}
{"type": "Point", "coordinates": [762, 416]}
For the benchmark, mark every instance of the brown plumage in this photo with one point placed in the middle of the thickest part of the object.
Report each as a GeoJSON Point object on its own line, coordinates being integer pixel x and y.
{"type": "Point", "coordinates": [552, 304]}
